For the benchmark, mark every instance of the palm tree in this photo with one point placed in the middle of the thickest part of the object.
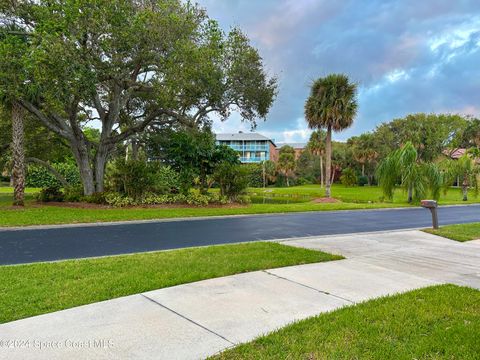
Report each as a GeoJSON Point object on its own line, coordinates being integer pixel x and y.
{"type": "Point", "coordinates": [14, 44]}
{"type": "Point", "coordinates": [286, 161]}
{"type": "Point", "coordinates": [18, 154]}
{"type": "Point", "coordinates": [466, 169]}
{"type": "Point", "coordinates": [331, 105]}
{"type": "Point", "coordinates": [364, 151]}
{"type": "Point", "coordinates": [316, 146]}
{"type": "Point", "coordinates": [416, 177]}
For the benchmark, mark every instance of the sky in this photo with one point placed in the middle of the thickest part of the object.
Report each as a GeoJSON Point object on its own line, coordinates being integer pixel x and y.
{"type": "Point", "coordinates": [406, 56]}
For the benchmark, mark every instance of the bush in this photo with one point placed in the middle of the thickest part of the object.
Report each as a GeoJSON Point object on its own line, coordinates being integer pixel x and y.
{"type": "Point", "coordinates": [348, 178]}
{"type": "Point", "coordinates": [134, 178]}
{"type": "Point", "coordinates": [50, 194]}
{"type": "Point", "coordinates": [244, 199]}
{"type": "Point", "coordinates": [95, 198]}
{"type": "Point", "coordinates": [39, 176]}
{"type": "Point", "coordinates": [232, 179]}
{"type": "Point", "coordinates": [73, 193]}
{"type": "Point", "coordinates": [118, 200]}
{"type": "Point", "coordinates": [282, 180]}
{"type": "Point", "coordinates": [304, 181]}
{"type": "Point", "coordinates": [166, 178]}
{"type": "Point", "coordinates": [362, 180]}
{"type": "Point", "coordinates": [255, 174]}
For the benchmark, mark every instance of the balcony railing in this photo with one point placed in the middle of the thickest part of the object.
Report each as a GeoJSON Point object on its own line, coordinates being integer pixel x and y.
{"type": "Point", "coordinates": [252, 159]}
{"type": "Point", "coordinates": [249, 147]}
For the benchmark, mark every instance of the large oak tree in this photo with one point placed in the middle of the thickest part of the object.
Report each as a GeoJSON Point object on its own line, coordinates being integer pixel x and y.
{"type": "Point", "coordinates": [125, 65]}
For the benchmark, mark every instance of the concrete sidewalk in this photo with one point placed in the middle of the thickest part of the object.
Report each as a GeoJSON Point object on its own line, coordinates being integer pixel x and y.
{"type": "Point", "coordinates": [195, 320]}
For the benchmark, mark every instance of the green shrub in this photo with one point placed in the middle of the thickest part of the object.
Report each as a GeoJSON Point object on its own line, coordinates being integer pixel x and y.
{"type": "Point", "coordinates": [255, 174]}
{"type": "Point", "coordinates": [39, 176]}
{"type": "Point", "coordinates": [119, 200]}
{"type": "Point", "coordinates": [134, 178]}
{"type": "Point", "coordinates": [50, 194]}
{"type": "Point", "coordinates": [73, 193]}
{"type": "Point", "coordinates": [348, 178]}
{"type": "Point", "coordinates": [232, 179]}
{"type": "Point", "coordinates": [304, 181]}
{"type": "Point", "coordinates": [95, 198]}
{"type": "Point", "coordinates": [281, 180]}
{"type": "Point", "coordinates": [362, 180]}
{"type": "Point", "coordinates": [244, 199]}
{"type": "Point", "coordinates": [166, 178]}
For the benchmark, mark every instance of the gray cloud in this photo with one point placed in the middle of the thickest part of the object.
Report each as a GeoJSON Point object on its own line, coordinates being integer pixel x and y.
{"type": "Point", "coordinates": [406, 56]}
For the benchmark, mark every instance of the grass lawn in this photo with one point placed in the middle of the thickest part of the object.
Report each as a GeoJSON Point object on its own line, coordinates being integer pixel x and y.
{"type": "Point", "coordinates": [33, 289]}
{"type": "Point", "coordinates": [270, 200]}
{"type": "Point", "coordinates": [441, 322]}
{"type": "Point", "coordinates": [460, 232]}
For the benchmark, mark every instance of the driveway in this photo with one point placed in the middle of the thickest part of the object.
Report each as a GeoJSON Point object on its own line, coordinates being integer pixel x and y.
{"type": "Point", "coordinates": [70, 242]}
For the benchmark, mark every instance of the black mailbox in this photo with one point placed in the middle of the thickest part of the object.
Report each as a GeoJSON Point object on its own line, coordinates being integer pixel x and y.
{"type": "Point", "coordinates": [432, 205]}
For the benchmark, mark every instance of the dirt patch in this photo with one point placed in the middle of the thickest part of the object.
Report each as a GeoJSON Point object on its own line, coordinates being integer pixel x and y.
{"type": "Point", "coordinates": [325, 200]}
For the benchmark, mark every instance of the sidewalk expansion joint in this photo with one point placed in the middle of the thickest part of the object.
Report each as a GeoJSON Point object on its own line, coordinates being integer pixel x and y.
{"type": "Point", "coordinates": [188, 319]}
{"type": "Point", "coordinates": [310, 287]}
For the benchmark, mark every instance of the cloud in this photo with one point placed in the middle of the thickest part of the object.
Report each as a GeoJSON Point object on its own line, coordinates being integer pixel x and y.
{"type": "Point", "coordinates": [406, 56]}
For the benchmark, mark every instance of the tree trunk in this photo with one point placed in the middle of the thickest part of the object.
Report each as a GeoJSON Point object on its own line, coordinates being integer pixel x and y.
{"type": "Point", "coordinates": [18, 152]}
{"type": "Point", "coordinates": [328, 162]}
{"type": "Point", "coordinates": [465, 188]}
{"type": "Point", "coordinates": [82, 157]}
{"type": "Point", "coordinates": [363, 169]}
{"type": "Point", "coordinates": [135, 149]}
{"type": "Point", "coordinates": [321, 171]}
{"type": "Point", "coordinates": [288, 182]}
{"type": "Point", "coordinates": [410, 194]}
{"type": "Point", "coordinates": [101, 158]}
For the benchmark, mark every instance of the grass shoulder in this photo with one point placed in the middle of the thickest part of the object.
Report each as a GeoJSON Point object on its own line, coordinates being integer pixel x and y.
{"type": "Point", "coordinates": [440, 322]}
{"type": "Point", "coordinates": [266, 201]}
{"type": "Point", "coordinates": [34, 289]}
{"type": "Point", "coordinates": [459, 232]}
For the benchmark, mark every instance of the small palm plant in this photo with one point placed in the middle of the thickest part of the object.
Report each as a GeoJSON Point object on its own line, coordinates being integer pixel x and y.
{"type": "Point", "coordinates": [404, 167]}
{"type": "Point", "coordinates": [466, 171]}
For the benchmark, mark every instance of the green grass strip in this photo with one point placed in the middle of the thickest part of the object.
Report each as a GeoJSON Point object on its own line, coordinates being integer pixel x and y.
{"type": "Point", "coordinates": [460, 232]}
{"type": "Point", "coordinates": [28, 290]}
{"type": "Point", "coordinates": [441, 322]}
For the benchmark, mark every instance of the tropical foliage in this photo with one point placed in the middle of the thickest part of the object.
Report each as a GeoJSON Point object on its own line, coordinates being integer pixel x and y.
{"type": "Point", "coordinates": [405, 168]}
{"type": "Point", "coordinates": [465, 171]}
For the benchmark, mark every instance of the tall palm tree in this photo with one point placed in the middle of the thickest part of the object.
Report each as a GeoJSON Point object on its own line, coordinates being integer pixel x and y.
{"type": "Point", "coordinates": [13, 45]}
{"type": "Point", "coordinates": [332, 105]}
{"type": "Point", "coordinates": [316, 145]}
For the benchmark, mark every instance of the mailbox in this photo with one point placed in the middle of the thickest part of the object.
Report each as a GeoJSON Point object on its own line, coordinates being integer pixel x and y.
{"type": "Point", "coordinates": [429, 204]}
{"type": "Point", "coordinates": [432, 205]}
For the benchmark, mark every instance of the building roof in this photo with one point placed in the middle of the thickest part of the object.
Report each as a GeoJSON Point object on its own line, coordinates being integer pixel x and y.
{"type": "Point", "coordinates": [457, 153]}
{"type": "Point", "coordinates": [293, 145]}
{"type": "Point", "coordinates": [241, 136]}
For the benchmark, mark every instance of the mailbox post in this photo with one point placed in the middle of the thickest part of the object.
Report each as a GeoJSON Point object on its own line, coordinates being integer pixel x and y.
{"type": "Point", "coordinates": [432, 205]}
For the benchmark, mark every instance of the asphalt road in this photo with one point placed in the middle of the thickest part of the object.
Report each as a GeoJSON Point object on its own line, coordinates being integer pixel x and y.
{"type": "Point", "coordinates": [56, 243]}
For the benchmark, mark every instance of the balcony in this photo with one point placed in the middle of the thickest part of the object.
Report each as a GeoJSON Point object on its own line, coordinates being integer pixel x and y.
{"type": "Point", "coordinates": [249, 147]}
{"type": "Point", "coordinates": [252, 159]}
